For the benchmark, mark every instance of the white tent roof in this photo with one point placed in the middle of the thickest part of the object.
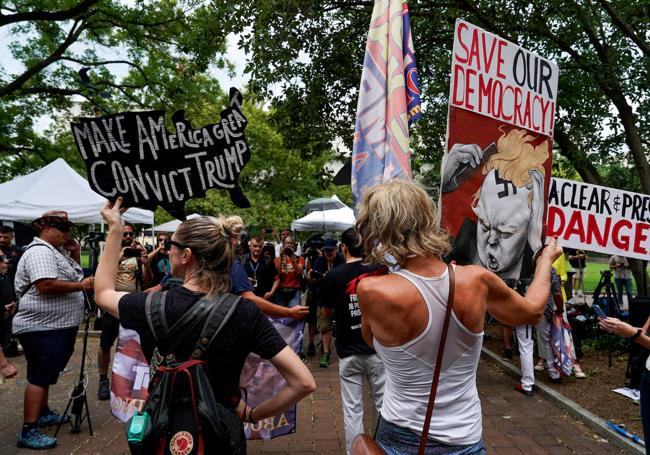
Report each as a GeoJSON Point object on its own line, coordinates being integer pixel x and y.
{"type": "Point", "coordinates": [57, 187]}
{"type": "Point", "coordinates": [170, 226]}
{"type": "Point", "coordinates": [327, 220]}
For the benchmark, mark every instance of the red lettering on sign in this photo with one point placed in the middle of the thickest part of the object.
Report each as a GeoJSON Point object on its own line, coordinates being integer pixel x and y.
{"type": "Point", "coordinates": [500, 59]}
{"type": "Point", "coordinates": [594, 232]}
{"type": "Point", "coordinates": [459, 73]}
{"type": "Point", "coordinates": [640, 236]}
{"type": "Point", "coordinates": [621, 241]}
{"type": "Point", "coordinates": [473, 51]}
{"type": "Point", "coordinates": [575, 227]}
{"type": "Point", "coordinates": [469, 74]}
{"type": "Point", "coordinates": [459, 31]}
{"type": "Point", "coordinates": [553, 214]}
{"type": "Point", "coordinates": [487, 60]}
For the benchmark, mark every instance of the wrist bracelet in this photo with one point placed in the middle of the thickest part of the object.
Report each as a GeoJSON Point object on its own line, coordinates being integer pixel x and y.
{"type": "Point", "coordinates": [636, 335]}
{"type": "Point", "coordinates": [250, 416]}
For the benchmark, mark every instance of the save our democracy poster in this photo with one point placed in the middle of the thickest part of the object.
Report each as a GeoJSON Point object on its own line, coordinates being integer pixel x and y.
{"type": "Point", "coordinates": [601, 219]}
{"type": "Point", "coordinates": [497, 166]}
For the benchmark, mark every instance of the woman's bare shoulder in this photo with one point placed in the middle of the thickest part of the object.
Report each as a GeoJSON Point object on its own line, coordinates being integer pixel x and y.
{"type": "Point", "coordinates": [474, 278]}
{"type": "Point", "coordinates": [380, 288]}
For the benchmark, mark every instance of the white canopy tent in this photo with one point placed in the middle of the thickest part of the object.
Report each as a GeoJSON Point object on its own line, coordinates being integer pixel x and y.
{"type": "Point", "coordinates": [57, 187]}
{"type": "Point", "coordinates": [170, 226]}
{"type": "Point", "coordinates": [326, 220]}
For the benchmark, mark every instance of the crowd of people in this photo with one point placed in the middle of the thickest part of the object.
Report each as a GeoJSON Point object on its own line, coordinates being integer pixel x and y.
{"type": "Point", "coordinates": [383, 294]}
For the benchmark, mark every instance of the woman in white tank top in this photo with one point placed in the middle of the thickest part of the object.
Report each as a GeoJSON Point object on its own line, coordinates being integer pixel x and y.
{"type": "Point", "coordinates": [403, 314]}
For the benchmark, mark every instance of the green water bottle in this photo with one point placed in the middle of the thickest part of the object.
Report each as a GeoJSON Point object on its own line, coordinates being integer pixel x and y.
{"type": "Point", "coordinates": [138, 427]}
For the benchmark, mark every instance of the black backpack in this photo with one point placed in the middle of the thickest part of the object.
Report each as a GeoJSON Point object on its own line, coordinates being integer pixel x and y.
{"type": "Point", "coordinates": [181, 414]}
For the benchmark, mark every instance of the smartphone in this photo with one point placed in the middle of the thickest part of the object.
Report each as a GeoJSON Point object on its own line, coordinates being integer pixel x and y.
{"type": "Point", "coordinates": [316, 274]}
{"type": "Point", "coordinates": [132, 252]}
{"type": "Point", "coordinates": [167, 245]}
{"type": "Point", "coordinates": [599, 311]}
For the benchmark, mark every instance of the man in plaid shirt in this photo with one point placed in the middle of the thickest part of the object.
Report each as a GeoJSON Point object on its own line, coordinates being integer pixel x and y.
{"type": "Point", "coordinates": [49, 285]}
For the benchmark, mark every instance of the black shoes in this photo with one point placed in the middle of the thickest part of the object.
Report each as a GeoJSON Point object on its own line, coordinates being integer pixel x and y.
{"type": "Point", "coordinates": [104, 391]}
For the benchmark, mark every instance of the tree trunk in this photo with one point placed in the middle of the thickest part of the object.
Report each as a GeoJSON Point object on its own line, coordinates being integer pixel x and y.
{"type": "Point", "coordinates": [577, 157]}
{"type": "Point", "coordinates": [640, 276]}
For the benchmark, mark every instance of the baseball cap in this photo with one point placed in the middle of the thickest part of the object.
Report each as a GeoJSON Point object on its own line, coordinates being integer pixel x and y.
{"type": "Point", "coordinates": [329, 244]}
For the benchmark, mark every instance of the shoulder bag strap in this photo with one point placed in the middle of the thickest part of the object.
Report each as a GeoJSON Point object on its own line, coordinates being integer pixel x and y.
{"type": "Point", "coordinates": [217, 318]}
{"type": "Point", "coordinates": [29, 286]}
{"type": "Point", "coordinates": [436, 374]}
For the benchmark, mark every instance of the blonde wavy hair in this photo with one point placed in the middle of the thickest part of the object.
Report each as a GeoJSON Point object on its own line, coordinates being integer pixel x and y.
{"type": "Point", "coordinates": [209, 239]}
{"type": "Point", "coordinates": [399, 219]}
{"type": "Point", "coordinates": [515, 157]}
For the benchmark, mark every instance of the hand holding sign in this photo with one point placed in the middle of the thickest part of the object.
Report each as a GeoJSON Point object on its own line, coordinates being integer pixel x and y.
{"type": "Point", "coordinates": [133, 155]}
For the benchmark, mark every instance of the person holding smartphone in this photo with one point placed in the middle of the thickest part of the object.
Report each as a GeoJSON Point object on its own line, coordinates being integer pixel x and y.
{"type": "Point", "coordinates": [133, 274]}
{"type": "Point", "coordinates": [289, 267]}
{"type": "Point", "coordinates": [159, 258]}
{"type": "Point", "coordinates": [639, 336]}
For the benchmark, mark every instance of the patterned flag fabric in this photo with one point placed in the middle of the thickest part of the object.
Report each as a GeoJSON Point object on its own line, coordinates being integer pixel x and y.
{"type": "Point", "coordinates": [414, 109]}
{"type": "Point", "coordinates": [562, 345]}
{"type": "Point", "coordinates": [388, 92]}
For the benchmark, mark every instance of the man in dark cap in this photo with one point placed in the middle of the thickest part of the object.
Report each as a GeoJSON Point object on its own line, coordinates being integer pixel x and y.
{"type": "Point", "coordinates": [330, 259]}
{"type": "Point", "coordinates": [49, 284]}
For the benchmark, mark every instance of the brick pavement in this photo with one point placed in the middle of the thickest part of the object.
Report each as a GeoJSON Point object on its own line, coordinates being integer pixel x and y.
{"type": "Point", "coordinates": [512, 423]}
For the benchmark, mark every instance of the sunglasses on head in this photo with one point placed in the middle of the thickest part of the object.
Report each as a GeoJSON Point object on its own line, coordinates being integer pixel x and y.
{"type": "Point", "coordinates": [63, 227]}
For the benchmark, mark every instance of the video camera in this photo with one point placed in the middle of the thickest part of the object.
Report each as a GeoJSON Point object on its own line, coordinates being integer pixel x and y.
{"type": "Point", "coordinates": [96, 237]}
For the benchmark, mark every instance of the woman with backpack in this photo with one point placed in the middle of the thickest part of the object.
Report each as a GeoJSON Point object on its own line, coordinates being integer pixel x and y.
{"type": "Point", "coordinates": [201, 253]}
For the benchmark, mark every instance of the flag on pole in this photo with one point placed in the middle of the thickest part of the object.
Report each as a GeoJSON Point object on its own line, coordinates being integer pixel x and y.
{"type": "Point", "coordinates": [389, 100]}
{"type": "Point", "coordinates": [414, 109]}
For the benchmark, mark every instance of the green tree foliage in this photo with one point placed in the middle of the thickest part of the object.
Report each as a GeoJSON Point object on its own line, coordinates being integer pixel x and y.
{"type": "Point", "coordinates": [140, 54]}
{"type": "Point", "coordinates": [314, 50]}
{"type": "Point", "coordinates": [278, 180]}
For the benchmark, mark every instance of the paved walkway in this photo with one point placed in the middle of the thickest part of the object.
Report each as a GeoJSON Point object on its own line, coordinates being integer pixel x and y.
{"type": "Point", "coordinates": [512, 423]}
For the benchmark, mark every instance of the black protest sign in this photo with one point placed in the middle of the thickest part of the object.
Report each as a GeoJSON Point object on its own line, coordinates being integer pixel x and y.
{"type": "Point", "coordinates": [133, 155]}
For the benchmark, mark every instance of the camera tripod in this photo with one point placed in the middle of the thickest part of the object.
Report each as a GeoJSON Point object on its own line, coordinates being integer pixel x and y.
{"type": "Point", "coordinates": [612, 308]}
{"type": "Point", "coordinates": [78, 399]}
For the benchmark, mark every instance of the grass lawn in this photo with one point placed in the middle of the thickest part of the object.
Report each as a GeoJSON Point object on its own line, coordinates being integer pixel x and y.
{"type": "Point", "coordinates": [592, 275]}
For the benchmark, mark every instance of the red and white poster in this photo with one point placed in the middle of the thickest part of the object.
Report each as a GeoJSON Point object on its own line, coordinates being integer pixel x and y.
{"type": "Point", "coordinates": [130, 376]}
{"type": "Point", "coordinates": [497, 166]}
{"type": "Point", "coordinates": [601, 219]}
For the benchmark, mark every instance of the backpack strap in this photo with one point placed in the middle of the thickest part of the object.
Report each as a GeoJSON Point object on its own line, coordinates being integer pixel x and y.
{"type": "Point", "coordinates": [218, 317]}
{"type": "Point", "coordinates": [154, 307]}
{"type": "Point", "coordinates": [187, 324]}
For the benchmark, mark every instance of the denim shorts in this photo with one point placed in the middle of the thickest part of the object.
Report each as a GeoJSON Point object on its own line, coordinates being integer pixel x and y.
{"type": "Point", "coordinates": [287, 297]}
{"type": "Point", "coordinates": [395, 440]}
{"type": "Point", "coordinates": [47, 353]}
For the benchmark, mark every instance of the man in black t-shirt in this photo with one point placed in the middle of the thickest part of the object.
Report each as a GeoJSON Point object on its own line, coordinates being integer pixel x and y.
{"type": "Point", "coordinates": [261, 270]}
{"type": "Point", "coordinates": [356, 358]}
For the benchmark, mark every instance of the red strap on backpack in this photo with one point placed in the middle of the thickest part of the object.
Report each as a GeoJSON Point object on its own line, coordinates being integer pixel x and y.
{"type": "Point", "coordinates": [436, 374]}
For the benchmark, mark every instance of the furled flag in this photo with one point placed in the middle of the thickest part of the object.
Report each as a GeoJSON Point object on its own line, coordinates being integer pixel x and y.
{"type": "Point", "coordinates": [388, 93]}
{"type": "Point", "coordinates": [414, 109]}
